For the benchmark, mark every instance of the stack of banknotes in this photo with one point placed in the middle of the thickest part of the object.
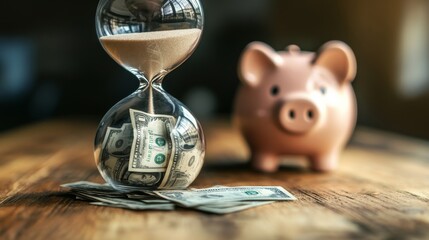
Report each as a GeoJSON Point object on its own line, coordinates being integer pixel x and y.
{"type": "Point", "coordinates": [217, 199]}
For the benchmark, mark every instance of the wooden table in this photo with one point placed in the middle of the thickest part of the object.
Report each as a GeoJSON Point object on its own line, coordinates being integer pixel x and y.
{"type": "Point", "coordinates": [381, 190]}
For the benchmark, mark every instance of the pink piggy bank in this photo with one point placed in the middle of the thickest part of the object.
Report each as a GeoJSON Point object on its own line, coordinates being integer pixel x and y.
{"type": "Point", "coordinates": [296, 103]}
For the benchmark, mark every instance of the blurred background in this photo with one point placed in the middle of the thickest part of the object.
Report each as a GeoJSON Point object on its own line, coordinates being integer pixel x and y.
{"type": "Point", "coordinates": [52, 65]}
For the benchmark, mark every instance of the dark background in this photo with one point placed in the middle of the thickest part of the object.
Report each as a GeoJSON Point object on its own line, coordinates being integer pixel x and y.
{"type": "Point", "coordinates": [52, 65]}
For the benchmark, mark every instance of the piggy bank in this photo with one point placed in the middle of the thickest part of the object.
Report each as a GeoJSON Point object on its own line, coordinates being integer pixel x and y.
{"type": "Point", "coordinates": [296, 103]}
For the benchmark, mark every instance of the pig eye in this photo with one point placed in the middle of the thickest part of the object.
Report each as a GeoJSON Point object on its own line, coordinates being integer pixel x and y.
{"type": "Point", "coordinates": [275, 90]}
{"type": "Point", "coordinates": [323, 90]}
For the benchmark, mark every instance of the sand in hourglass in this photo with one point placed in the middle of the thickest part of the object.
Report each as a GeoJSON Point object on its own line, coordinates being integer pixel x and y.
{"type": "Point", "coordinates": [152, 52]}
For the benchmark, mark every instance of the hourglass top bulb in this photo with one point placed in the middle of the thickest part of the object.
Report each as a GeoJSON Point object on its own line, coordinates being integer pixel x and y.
{"type": "Point", "coordinates": [149, 37]}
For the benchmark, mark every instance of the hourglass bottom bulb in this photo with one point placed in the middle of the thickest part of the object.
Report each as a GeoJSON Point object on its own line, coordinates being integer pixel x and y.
{"type": "Point", "coordinates": [137, 150]}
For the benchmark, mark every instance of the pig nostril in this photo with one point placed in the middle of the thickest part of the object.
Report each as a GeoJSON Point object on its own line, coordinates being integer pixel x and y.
{"type": "Point", "coordinates": [310, 114]}
{"type": "Point", "coordinates": [292, 114]}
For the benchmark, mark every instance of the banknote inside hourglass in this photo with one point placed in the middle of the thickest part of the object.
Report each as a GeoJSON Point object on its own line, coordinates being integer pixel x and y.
{"type": "Point", "coordinates": [149, 140]}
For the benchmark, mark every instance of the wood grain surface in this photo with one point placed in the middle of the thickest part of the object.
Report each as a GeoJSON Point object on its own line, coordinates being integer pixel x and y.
{"type": "Point", "coordinates": [380, 191]}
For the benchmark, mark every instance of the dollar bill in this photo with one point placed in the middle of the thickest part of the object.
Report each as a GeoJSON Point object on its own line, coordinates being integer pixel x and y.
{"type": "Point", "coordinates": [118, 141]}
{"type": "Point", "coordinates": [152, 144]}
{"type": "Point", "coordinates": [211, 195]}
{"type": "Point", "coordinates": [115, 156]}
{"type": "Point", "coordinates": [126, 203]}
{"type": "Point", "coordinates": [89, 186]}
{"type": "Point", "coordinates": [217, 199]}
{"type": "Point", "coordinates": [188, 154]}
{"type": "Point", "coordinates": [142, 179]}
{"type": "Point", "coordinates": [115, 150]}
{"type": "Point", "coordinates": [105, 195]}
{"type": "Point", "coordinates": [230, 208]}
{"type": "Point", "coordinates": [155, 201]}
{"type": "Point", "coordinates": [136, 206]}
{"type": "Point", "coordinates": [117, 168]}
{"type": "Point", "coordinates": [95, 189]}
{"type": "Point", "coordinates": [145, 197]}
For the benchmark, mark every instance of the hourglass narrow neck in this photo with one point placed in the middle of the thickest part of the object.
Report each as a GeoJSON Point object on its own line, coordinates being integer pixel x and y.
{"type": "Point", "coordinates": [143, 81]}
{"type": "Point", "coordinates": [156, 81]}
{"type": "Point", "coordinates": [147, 86]}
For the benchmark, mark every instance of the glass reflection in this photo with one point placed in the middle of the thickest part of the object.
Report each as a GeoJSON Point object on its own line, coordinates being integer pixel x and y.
{"type": "Point", "coordinates": [131, 16]}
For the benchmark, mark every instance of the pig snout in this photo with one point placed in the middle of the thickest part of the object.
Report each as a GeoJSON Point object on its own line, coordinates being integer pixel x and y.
{"type": "Point", "coordinates": [299, 115]}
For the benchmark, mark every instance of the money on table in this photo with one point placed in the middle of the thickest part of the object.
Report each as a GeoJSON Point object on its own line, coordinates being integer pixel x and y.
{"type": "Point", "coordinates": [217, 199]}
{"type": "Point", "coordinates": [196, 197]}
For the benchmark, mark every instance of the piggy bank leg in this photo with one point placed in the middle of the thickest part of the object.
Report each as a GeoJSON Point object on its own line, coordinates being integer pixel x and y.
{"type": "Point", "coordinates": [324, 162]}
{"type": "Point", "coordinates": [265, 162]}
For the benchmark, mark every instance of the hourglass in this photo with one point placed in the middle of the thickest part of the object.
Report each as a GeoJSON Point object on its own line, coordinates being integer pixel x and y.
{"type": "Point", "coordinates": [149, 140]}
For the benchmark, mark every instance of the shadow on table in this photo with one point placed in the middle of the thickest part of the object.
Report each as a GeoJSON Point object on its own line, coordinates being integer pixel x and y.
{"type": "Point", "coordinates": [40, 199]}
{"type": "Point", "coordinates": [239, 165]}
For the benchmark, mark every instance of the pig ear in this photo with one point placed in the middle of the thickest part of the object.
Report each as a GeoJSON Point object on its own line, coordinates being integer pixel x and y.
{"type": "Point", "coordinates": [339, 59]}
{"type": "Point", "coordinates": [257, 59]}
